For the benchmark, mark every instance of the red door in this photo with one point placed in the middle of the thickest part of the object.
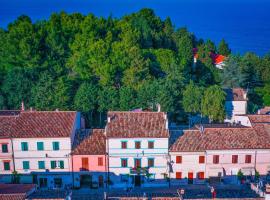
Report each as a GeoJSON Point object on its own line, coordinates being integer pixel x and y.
{"type": "Point", "coordinates": [190, 177]}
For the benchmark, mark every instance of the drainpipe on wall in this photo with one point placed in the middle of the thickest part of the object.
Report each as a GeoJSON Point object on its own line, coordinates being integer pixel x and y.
{"type": "Point", "coordinates": [13, 159]}
{"type": "Point", "coordinates": [255, 163]}
{"type": "Point", "coordinates": [72, 170]}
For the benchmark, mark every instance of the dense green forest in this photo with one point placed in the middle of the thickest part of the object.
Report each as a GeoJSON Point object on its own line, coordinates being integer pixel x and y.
{"type": "Point", "coordinates": [93, 64]}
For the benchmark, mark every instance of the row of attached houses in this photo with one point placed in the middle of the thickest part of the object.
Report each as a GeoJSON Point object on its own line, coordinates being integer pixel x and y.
{"type": "Point", "coordinates": [135, 149]}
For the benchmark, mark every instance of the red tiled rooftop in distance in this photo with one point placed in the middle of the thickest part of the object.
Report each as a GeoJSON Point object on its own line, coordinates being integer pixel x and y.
{"type": "Point", "coordinates": [236, 94]}
{"type": "Point", "coordinates": [41, 124]}
{"type": "Point", "coordinates": [137, 124]}
{"type": "Point", "coordinates": [223, 139]}
{"type": "Point", "coordinates": [216, 58]}
{"type": "Point", "coordinates": [91, 143]}
{"type": "Point", "coordinates": [259, 118]}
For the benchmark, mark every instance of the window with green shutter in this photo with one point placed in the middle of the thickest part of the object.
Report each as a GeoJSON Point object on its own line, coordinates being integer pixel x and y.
{"type": "Point", "coordinates": [55, 146]}
{"type": "Point", "coordinates": [41, 164]}
{"type": "Point", "coordinates": [24, 146]}
{"type": "Point", "coordinates": [26, 165]}
{"type": "Point", "coordinates": [61, 162]}
{"type": "Point", "coordinates": [53, 164]}
{"type": "Point", "coordinates": [4, 148]}
{"type": "Point", "coordinates": [40, 146]}
{"type": "Point", "coordinates": [6, 166]}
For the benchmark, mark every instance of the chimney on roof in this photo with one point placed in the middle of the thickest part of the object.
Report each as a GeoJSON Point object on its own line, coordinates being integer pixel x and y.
{"type": "Point", "coordinates": [158, 107]}
{"type": "Point", "coordinates": [201, 129]}
{"type": "Point", "coordinates": [109, 119]}
{"type": "Point", "coordinates": [31, 109]}
{"type": "Point", "coordinates": [56, 110]}
{"type": "Point", "coordinates": [22, 106]}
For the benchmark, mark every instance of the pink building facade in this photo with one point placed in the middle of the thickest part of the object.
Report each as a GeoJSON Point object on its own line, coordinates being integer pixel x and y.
{"type": "Point", "coordinates": [88, 159]}
{"type": "Point", "coordinates": [6, 152]}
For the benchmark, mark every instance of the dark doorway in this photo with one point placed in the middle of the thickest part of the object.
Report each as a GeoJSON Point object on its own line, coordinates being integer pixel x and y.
{"type": "Point", "coordinates": [43, 182]}
{"type": "Point", "coordinates": [137, 180]}
{"type": "Point", "coordinates": [100, 181]}
{"type": "Point", "coordinates": [58, 182]}
{"type": "Point", "coordinates": [86, 180]}
{"type": "Point", "coordinates": [190, 177]}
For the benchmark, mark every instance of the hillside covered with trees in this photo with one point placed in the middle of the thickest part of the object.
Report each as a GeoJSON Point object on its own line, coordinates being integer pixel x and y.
{"type": "Point", "coordinates": [92, 64]}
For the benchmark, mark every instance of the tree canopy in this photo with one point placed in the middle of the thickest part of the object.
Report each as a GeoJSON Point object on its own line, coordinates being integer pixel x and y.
{"type": "Point", "coordinates": [95, 64]}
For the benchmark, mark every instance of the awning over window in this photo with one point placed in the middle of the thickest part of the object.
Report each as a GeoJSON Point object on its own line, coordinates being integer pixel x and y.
{"type": "Point", "coordinates": [247, 171]}
{"type": "Point", "coordinates": [216, 172]}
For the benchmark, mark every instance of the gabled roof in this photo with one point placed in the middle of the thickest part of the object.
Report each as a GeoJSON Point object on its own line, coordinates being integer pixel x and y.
{"type": "Point", "coordinates": [90, 143]}
{"type": "Point", "coordinates": [223, 139]}
{"type": "Point", "coordinates": [16, 188]}
{"type": "Point", "coordinates": [44, 124]}
{"type": "Point", "coordinates": [236, 94]}
{"type": "Point", "coordinates": [137, 125]}
{"type": "Point", "coordinates": [6, 125]}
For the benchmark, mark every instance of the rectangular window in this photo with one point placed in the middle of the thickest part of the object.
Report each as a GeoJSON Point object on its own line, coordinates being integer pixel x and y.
{"type": "Point", "coordinates": [201, 159]}
{"type": "Point", "coordinates": [26, 165]}
{"type": "Point", "coordinates": [53, 164]}
{"type": "Point", "coordinates": [55, 146]}
{"type": "Point", "coordinates": [40, 146]}
{"type": "Point", "coordinates": [24, 146]}
{"type": "Point", "coordinates": [124, 162]}
{"type": "Point", "coordinates": [123, 144]}
{"type": "Point", "coordinates": [215, 159]}
{"type": "Point", "coordinates": [100, 161]}
{"type": "Point", "coordinates": [137, 162]}
{"type": "Point", "coordinates": [61, 164]}
{"type": "Point", "coordinates": [4, 148]}
{"type": "Point", "coordinates": [41, 164]}
{"type": "Point", "coordinates": [178, 159]}
{"type": "Point", "coordinates": [201, 175]}
{"type": "Point", "coordinates": [137, 145]}
{"type": "Point", "coordinates": [6, 165]}
{"type": "Point", "coordinates": [234, 159]}
{"type": "Point", "coordinates": [85, 164]}
{"type": "Point", "coordinates": [150, 145]}
{"type": "Point", "coordinates": [178, 175]}
{"type": "Point", "coordinates": [150, 162]}
{"type": "Point", "coordinates": [248, 159]}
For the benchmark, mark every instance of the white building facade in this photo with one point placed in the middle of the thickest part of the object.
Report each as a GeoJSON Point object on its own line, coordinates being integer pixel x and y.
{"type": "Point", "coordinates": [138, 152]}
{"type": "Point", "coordinates": [42, 154]}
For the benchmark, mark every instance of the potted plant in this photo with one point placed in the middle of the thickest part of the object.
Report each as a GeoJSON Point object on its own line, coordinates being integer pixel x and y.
{"type": "Point", "coordinates": [240, 176]}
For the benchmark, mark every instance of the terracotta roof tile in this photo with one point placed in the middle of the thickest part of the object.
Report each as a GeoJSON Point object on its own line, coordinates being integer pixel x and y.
{"type": "Point", "coordinates": [259, 118]}
{"type": "Point", "coordinates": [137, 124]}
{"type": "Point", "coordinates": [6, 125]}
{"type": "Point", "coordinates": [44, 124]}
{"type": "Point", "coordinates": [236, 94]}
{"type": "Point", "coordinates": [257, 137]}
{"type": "Point", "coordinates": [90, 143]}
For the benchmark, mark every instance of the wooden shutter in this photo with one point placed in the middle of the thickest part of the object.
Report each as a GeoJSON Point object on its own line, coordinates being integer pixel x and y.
{"type": "Point", "coordinates": [85, 165]}
{"type": "Point", "coordinates": [234, 158]}
{"type": "Point", "coordinates": [201, 159]}
{"type": "Point", "coordinates": [178, 159]}
{"type": "Point", "coordinates": [178, 175]}
{"type": "Point", "coordinates": [100, 161]}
